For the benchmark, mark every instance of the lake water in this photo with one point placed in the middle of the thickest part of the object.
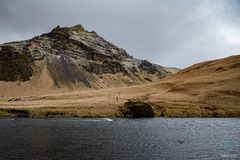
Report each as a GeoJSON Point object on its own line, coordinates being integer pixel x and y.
{"type": "Point", "coordinates": [120, 139]}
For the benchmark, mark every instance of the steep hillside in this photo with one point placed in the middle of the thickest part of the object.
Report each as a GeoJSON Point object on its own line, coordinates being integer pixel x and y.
{"type": "Point", "coordinates": [208, 88]}
{"type": "Point", "coordinates": [73, 58]}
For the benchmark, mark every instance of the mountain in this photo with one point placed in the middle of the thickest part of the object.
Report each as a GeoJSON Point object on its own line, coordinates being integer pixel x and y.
{"type": "Point", "coordinates": [72, 57]}
{"type": "Point", "coordinates": [38, 77]}
{"type": "Point", "coordinates": [207, 89]}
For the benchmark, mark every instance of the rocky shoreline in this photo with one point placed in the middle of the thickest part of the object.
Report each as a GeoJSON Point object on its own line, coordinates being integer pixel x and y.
{"type": "Point", "coordinates": [74, 112]}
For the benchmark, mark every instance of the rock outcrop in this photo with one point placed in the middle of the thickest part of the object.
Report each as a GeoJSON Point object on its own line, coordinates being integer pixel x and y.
{"type": "Point", "coordinates": [75, 57]}
{"type": "Point", "coordinates": [136, 109]}
{"type": "Point", "coordinates": [15, 64]}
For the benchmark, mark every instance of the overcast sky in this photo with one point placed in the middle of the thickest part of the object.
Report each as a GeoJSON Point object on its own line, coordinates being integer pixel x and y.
{"type": "Point", "coordinates": [167, 32]}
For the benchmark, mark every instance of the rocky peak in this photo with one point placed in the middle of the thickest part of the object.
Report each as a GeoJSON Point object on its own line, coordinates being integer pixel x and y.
{"type": "Point", "coordinates": [78, 28]}
{"type": "Point", "coordinates": [72, 55]}
{"type": "Point", "coordinates": [65, 32]}
{"type": "Point", "coordinates": [59, 33]}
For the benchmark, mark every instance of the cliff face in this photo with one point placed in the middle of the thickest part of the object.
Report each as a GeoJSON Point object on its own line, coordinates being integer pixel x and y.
{"type": "Point", "coordinates": [75, 57]}
{"type": "Point", "coordinates": [14, 65]}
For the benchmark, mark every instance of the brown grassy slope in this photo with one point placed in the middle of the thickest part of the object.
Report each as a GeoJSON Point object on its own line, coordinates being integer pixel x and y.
{"type": "Point", "coordinates": [208, 89]}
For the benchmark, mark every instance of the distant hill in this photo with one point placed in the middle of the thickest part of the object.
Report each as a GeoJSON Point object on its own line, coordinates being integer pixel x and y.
{"type": "Point", "coordinates": [73, 58]}
{"type": "Point", "coordinates": [210, 88]}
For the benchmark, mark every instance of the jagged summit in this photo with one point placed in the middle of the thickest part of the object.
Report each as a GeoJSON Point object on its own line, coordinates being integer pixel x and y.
{"type": "Point", "coordinates": [72, 56]}
{"type": "Point", "coordinates": [77, 28]}
{"type": "Point", "coordinates": [65, 32]}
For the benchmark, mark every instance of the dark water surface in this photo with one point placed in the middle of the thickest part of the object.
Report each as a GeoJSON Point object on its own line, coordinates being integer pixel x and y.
{"type": "Point", "coordinates": [145, 139]}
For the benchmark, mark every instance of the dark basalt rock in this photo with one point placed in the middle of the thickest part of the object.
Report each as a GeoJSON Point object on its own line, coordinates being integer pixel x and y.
{"type": "Point", "coordinates": [59, 33]}
{"type": "Point", "coordinates": [105, 67]}
{"type": "Point", "coordinates": [136, 109]}
{"type": "Point", "coordinates": [149, 67]}
{"type": "Point", "coordinates": [15, 65]}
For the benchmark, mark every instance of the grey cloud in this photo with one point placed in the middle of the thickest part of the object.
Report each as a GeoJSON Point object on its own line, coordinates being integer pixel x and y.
{"type": "Point", "coordinates": [167, 32]}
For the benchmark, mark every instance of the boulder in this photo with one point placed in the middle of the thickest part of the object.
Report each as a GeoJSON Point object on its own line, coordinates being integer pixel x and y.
{"type": "Point", "coordinates": [136, 109]}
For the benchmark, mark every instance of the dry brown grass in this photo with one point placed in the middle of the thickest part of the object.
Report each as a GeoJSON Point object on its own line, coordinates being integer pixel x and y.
{"type": "Point", "coordinates": [202, 90]}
